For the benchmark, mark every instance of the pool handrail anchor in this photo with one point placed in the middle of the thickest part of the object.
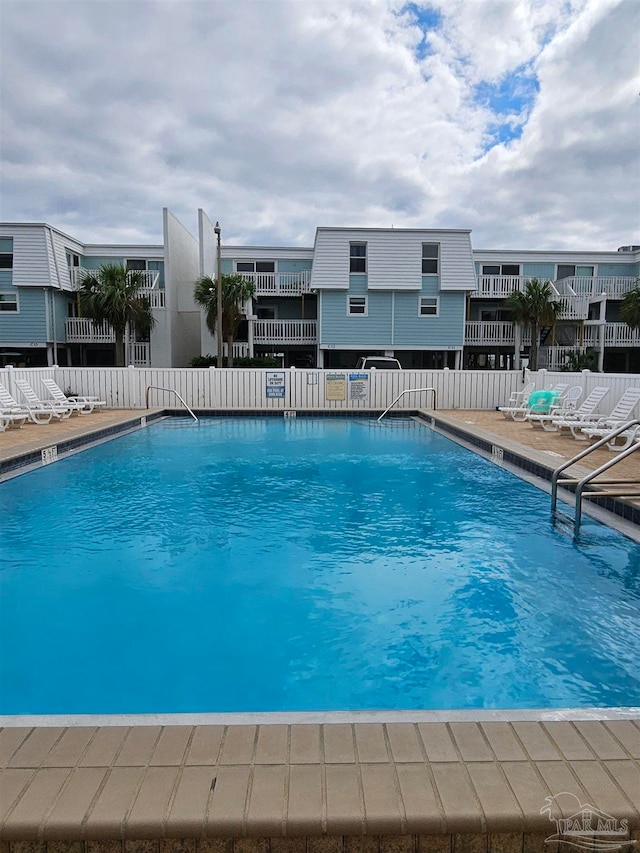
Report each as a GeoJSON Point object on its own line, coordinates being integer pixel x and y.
{"type": "Point", "coordinates": [580, 484]}
{"type": "Point", "coordinates": [171, 391]}
{"type": "Point", "coordinates": [410, 391]}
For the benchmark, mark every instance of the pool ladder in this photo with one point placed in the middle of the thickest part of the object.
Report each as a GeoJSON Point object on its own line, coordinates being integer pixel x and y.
{"type": "Point", "coordinates": [171, 391]}
{"type": "Point", "coordinates": [409, 391]}
{"type": "Point", "coordinates": [588, 479]}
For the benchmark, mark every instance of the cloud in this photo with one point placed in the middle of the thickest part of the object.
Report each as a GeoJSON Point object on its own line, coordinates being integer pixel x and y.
{"type": "Point", "coordinates": [516, 118]}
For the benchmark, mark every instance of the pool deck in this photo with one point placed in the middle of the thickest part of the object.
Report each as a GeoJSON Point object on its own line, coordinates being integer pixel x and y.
{"type": "Point", "coordinates": [398, 783]}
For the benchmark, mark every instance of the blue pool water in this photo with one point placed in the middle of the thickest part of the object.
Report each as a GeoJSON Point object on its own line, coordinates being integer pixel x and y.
{"type": "Point", "coordinates": [313, 564]}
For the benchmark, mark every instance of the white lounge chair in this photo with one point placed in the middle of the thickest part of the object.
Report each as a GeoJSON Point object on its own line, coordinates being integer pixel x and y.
{"type": "Point", "coordinates": [33, 402]}
{"type": "Point", "coordinates": [560, 410]}
{"type": "Point", "coordinates": [12, 419]}
{"type": "Point", "coordinates": [619, 442]}
{"type": "Point", "coordinates": [518, 400]}
{"type": "Point", "coordinates": [554, 422]}
{"type": "Point", "coordinates": [620, 414]}
{"type": "Point", "coordinates": [11, 406]}
{"type": "Point", "coordinates": [82, 405]}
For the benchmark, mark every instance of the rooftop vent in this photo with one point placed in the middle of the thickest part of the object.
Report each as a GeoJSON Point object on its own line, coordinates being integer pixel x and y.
{"type": "Point", "coordinates": [629, 249]}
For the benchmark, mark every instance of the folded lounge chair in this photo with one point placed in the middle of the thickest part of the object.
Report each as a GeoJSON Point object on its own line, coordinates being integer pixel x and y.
{"type": "Point", "coordinates": [620, 414]}
{"type": "Point", "coordinates": [82, 405]}
{"type": "Point", "coordinates": [33, 402]}
{"type": "Point", "coordinates": [11, 406]}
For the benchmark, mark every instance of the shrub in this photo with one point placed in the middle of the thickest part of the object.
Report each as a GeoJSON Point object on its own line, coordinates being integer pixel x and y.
{"type": "Point", "coordinates": [212, 360]}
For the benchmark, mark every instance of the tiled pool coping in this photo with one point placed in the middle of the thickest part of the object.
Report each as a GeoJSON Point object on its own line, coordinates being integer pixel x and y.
{"type": "Point", "coordinates": [404, 782]}
{"type": "Point", "coordinates": [403, 786]}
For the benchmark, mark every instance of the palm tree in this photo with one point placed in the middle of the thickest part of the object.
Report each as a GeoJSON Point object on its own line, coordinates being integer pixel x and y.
{"type": "Point", "coordinates": [630, 307]}
{"type": "Point", "coordinates": [112, 295]}
{"type": "Point", "coordinates": [236, 290]}
{"type": "Point", "coordinates": [533, 308]}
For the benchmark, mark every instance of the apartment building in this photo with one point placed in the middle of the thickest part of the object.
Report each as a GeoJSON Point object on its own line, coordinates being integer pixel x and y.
{"type": "Point", "coordinates": [425, 296]}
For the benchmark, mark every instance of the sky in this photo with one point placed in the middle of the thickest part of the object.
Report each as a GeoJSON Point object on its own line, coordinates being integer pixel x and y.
{"type": "Point", "coordinates": [518, 119]}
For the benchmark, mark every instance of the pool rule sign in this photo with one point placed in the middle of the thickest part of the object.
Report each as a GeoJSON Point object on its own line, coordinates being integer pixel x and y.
{"type": "Point", "coordinates": [275, 384]}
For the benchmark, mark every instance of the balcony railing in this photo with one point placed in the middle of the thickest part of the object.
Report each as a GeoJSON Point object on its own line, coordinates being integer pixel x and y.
{"type": "Point", "coordinates": [498, 333]}
{"type": "Point", "coordinates": [81, 330]}
{"type": "Point", "coordinates": [614, 286]}
{"type": "Point", "coordinates": [501, 286]}
{"type": "Point", "coordinates": [149, 277]}
{"type": "Point", "coordinates": [615, 335]}
{"type": "Point", "coordinates": [279, 283]}
{"type": "Point", "coordinates": [285, 331]}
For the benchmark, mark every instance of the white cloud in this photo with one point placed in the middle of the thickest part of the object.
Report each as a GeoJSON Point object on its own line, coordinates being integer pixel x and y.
{"type": "Point", "coordinates": [279, 116]}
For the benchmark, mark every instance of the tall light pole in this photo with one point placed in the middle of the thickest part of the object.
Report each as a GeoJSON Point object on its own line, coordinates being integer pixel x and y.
{"type": "Point", "coordinates": [219, 298]}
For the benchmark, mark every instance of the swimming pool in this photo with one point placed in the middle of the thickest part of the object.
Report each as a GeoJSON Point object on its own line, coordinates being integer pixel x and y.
{"type": "Point", "coordinates": [262, 564]}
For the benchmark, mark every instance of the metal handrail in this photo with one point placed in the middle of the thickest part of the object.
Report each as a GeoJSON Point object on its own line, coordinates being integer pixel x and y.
{"type": "Point", "coordinates": [171, 391]}
{"type": "Point", "coordinates": [409, 391]}
{"type": "Point", "coordinates": [580, 484]}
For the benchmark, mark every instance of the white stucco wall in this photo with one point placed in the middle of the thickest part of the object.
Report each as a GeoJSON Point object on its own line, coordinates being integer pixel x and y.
{"type": "Point", "coordinates": [182, 268]}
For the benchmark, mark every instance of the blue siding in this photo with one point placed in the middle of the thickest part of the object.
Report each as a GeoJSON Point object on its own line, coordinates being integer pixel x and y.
{"type": "Point", "coordinates": [338, 328]}
{"type": "Point", "coordinates": [61, 304]}
{"type": "Point", "coordinates": [539, 270]}
{"type": "Point", "coordinates": [446, 330]}
{"type": "Point", "coordinates": [28, 325]}
{"type": "Point", "coordinates": [226, 265]}
{"type": "Point", "coordinates": [293, 266]}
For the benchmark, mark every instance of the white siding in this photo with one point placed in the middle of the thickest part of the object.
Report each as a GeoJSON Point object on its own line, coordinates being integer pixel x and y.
{"type": "Point", "coordinates": [457, 271]}
{"type": "Point", "coordinates": [31, 266]}
{"type": "Point", "coordinates": [394, 258]}
{"type": "Point", "coordinates": [331, 259]}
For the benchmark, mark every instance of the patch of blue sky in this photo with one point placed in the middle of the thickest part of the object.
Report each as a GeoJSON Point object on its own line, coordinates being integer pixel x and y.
{"type": "Point", "coordinates": [510, 101]}
{"type": "Point", "coordinates": [426, 19]}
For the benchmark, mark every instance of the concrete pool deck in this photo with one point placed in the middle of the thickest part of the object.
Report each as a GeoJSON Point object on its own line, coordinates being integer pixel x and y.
{"type": "Point", "coordinates": [419, 785]}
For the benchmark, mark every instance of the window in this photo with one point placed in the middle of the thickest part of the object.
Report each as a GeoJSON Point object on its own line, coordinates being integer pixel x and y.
{"type": "Point", "coordinates": [357, 306]}
{"type": "Point", "coordinates": [138, 264]}
{"type": "Point", "coordinates": [501, 269]}
{"type": "Point", "coordinates": [6, 253]}
{"type": "Point", "coordinates": [9, 302]}
{"type": "Point", "coordinates": [73, 260]}
{"type": "Point", "coordinates": [570, 270]}
{"type": "Point", "coordinates": [428, 306]}
{"type": "Point", "coordinates": [430, 255]}
{"type": "Point", "coordinates": [357, 257]}
{"type": "Point", "coordinates": [256, 266]}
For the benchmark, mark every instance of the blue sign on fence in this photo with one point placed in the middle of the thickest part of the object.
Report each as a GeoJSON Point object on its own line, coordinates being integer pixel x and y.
{"type": "Point", "coordinates": [275, 386]}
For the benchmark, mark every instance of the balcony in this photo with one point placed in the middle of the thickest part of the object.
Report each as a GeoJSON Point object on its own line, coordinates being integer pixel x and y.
{"type": "Point", "coordinates": [279, 283]}
{"type": "Point", "coordinates": [285, 332]}
{"type": "Point", "coordinates": [581, 287]}
{"type": "Point", "coordinates": [615, 335]}
{"type": "Point", "coordinates": [613, 286]}
{"type": "Point", "coordinates": [150, 278]}
{"type": "Point", "coordinates": [81, 330]}
{"type": "Point", "coordinates": [497, 334]}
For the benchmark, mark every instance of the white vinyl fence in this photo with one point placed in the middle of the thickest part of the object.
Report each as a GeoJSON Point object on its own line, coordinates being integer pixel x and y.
{"type": "Point", "coordinates": [249, 389]}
